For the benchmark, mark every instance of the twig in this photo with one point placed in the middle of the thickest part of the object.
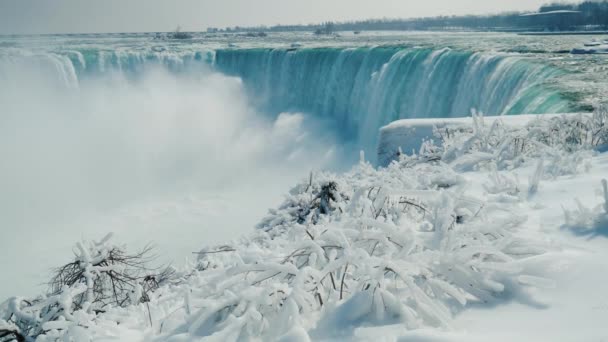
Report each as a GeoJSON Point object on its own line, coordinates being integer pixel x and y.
{"type": "Point", "coordinates": [320, 299]}
{"type": "Point", "coordinates": [333, 282]}
{"type": "Point", "coordinates": [149, 314]}
{"type": "Point", "coordinates": [261, 280]}
{"type": "Point", "coordinates": [391, 240]}
{"type": "Point", "coordinates": [406, 201]}
{"type": "Point", "coordinates": [342, 284]}
{"type": "Point", "coordinates": [218, 251]}
{"type": "Point", "coordinates": [374, 248]}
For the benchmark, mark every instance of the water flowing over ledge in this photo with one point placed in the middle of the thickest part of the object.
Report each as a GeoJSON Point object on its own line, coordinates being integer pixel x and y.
{"type": "Point", "coordinates": [67, 68]}
{"type": "Point", "coordinates": [366, 88]}
{"type": "Point", "coordinates": [357, 89]}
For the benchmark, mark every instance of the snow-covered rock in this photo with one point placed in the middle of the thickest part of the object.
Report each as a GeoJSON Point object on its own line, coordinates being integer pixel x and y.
{"type": "Point", "coordinates": [590, 50]}
{"type": "Point", "coordinates": [407, 136]}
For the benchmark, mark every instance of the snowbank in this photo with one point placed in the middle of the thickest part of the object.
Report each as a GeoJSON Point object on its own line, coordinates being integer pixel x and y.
{"type": "Point", "coordinates": [456, 230]}
{"type": "Point", "coordinates": [407, 135]}
{"type": "Point", "coordinates": [591, 50]}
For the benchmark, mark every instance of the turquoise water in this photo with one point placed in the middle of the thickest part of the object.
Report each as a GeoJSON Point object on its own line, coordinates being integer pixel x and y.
{"type": "Point", "coordinates": [365, 88]}
{"type": "Point", "coordinates": [357, 88]}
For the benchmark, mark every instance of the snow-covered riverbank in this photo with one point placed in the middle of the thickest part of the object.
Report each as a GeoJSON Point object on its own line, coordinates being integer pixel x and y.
{"type": "Point", "coordinates": [466, 240]}
{"type": "Point", "coordinates": [575, 306]}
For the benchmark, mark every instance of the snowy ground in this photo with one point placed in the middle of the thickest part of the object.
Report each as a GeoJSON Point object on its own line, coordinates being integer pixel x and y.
{"type": "Point", "coordinates": [483, 225]}
{"type": "Point", "coordinates": [576, 308]}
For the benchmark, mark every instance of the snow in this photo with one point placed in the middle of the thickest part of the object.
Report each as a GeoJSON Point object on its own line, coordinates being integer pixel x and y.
{"type": "Point", "coordinates": [589, 50]}
{"type": "Point", "coordinates": [476, 237]}
{"type": "Point", "coordinates": [409, 134]}
{"type": "Point", "coordinates": [575, 309]}
{"type": "Point", "coordinates": [550, 13]}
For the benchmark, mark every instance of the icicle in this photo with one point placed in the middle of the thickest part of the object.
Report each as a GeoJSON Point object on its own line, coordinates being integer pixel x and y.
{"type": "Point", "coordinates": [535, 178]}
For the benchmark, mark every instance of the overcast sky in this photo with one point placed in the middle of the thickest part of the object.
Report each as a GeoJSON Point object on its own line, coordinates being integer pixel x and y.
{"type": "Point", "coordinates": [58, 16]}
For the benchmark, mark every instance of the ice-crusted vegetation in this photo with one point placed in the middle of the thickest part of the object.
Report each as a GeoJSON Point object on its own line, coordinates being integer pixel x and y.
{"type": "Point", "coordinates": [101, 276]}
{"type": "Point", "coordinates": [589, 221]}
{"type": "Point", "coordinates": [562, 143]}
{"type": "Point", "coordinates": [404, 244]}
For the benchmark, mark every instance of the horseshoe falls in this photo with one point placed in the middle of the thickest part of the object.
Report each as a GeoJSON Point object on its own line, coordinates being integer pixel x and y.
{"type": "Point", "coordinates": [357, 90]}
{"type": "Point", "coordinates": [362, 89]}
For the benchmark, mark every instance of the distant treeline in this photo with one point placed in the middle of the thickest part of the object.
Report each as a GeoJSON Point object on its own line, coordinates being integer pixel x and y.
{"type": "Point", "coordinates": [588, 15]}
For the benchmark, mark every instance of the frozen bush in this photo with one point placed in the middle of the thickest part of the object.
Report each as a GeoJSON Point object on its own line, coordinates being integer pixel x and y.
{"type": "Point", "coordinates": [101, 276]}
{"type": "Point", "coordinates": [501, 183]}
{"type": "Point", "coordinates": [10, 332]}
{"type": "Point", "coordinates": [479, 146]}
{"type": "Point", "coordinates": [396, 245]}
{"type": "Point", "coordinates": [589, 221]}
{"type": "Point", "coordinates": [403, 244]}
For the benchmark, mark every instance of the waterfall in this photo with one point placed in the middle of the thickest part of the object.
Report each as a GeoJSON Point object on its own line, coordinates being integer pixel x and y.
{"type": "Point", "coordinates": [69, 67]}
{"type": "Point", "coordinates": [358, 89]}
{"type": "Point", "coordinates": [362, 89]}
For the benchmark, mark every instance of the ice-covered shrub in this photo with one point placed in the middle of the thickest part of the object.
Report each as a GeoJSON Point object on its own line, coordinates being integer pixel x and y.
{"type": "Point", "coordinates": [113, 277]}
{"type": "Point", "coordinates": [500, 183]}
{"type": "Point", "coordinates": [396, 245]}
{"type": "Point", "coordinates": [481, 146]}
{"type": "Point", "coordinates": [589, 221]}
{"type": "Point", "coordinates": [10, 332]}
{"type": "Point", "coordinates": [101, 276]}
{"type": "Point", "coordinates": [403, 244]}
{"type": "Point", "coordinates": [306, 204]}
{"type": "Point", "coordinates": [535, 178]}
{"type": "Point", "coordinates": [599, 126]}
